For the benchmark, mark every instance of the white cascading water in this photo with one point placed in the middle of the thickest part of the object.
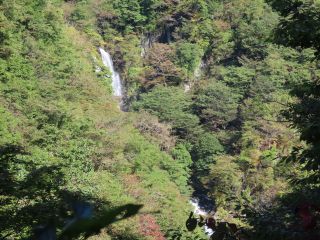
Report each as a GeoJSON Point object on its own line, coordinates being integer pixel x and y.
{"type": "Point", "coordinates": [196, 76]}
{"type": "Point", "coordinates": [200, 212]}
{"type": "Point", "coordinates": [116, 80]}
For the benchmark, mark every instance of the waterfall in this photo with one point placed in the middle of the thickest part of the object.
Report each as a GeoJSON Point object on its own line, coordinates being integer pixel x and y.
{"type": "Point", "coordinates": [198, 70]}
{"type": "Point", "coordinates": [145, 45]}
{"type": "Point", "coordinates": [116, 81]}
{"type": "Point", "coordinates": [187, 87]}
{"type": "Point", "coordinates": [196, 77]}
{"type": "Point", "coordinates": [198, 210]}
{"type": "Point", "coordinates": [202, 204]}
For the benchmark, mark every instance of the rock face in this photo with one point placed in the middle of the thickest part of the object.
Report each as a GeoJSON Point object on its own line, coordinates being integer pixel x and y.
{"type": "Point", "coordinates": [146, 42]}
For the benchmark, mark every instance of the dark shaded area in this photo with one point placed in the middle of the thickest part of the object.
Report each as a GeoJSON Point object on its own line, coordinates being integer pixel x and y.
{"type": "Point", "coordinates": [200, 194]}
{"type": "Point", "coordinates": [300, 24]}
{"type": "Point", "coordinates": [38, 199]}
{"type": "Point", "coordinates": [91, 226]}
{"type": "Point", "coordinates": [285, 6]}
{"type": "Point", "coordinates": [305, 115]}
{"type": "Point", "coordinates": [166, 35]}
{"type": "Point", "coordinates": [38, 205]}
{"type": "Point", "coordinates": [221, 230]}
{"type": "Point", "coordinates": [287, 219]}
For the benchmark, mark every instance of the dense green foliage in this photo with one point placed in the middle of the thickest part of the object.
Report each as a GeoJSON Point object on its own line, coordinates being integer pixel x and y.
{"type": "Point", "coordinates": [221, 93]}
{"type": "Point", "coordinates": [63, 139]}
{"type": "Point", "coordinates": [170, 104]}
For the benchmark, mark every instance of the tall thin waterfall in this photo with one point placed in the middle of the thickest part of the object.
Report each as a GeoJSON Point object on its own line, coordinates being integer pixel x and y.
{"type": "Point", "coordinates": [116, 81]}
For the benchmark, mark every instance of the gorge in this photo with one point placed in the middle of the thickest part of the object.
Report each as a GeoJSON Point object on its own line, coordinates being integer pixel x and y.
{"type": "Point", "coordinates": [121, 118]}
{"type": "Point", "coordinates": [202, 205]}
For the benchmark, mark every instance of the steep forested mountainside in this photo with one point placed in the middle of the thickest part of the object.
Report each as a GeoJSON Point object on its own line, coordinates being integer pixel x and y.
{"type": "Point", "coordinates": [221, 101]}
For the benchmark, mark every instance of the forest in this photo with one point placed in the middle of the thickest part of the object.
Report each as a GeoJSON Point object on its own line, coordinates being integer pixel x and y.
{"type": "Point", "coordinates": [220, 105]}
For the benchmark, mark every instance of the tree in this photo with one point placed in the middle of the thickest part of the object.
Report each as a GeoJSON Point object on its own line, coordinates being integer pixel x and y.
{"type": "Point", "coordinates": [189, 57]}
{"type": "Point", "coordinates": [300, 23]}
{"type": "Point", "coordinates": [225, 182]}
{"type": "Point", "coordinates": [252, 24]}
{"type": "Point", "coordinates": [216, 104]}
{"type": "Point", "coordinates": [205, 151]}
{"type": "Point", "coordinates": [300, 27]}
{"type": "Point", "coordinates": [305, 115]}
{"type": "Point", "coordinates": [129, 14]}
{"type": "Point", "coordinates": [160, 67]}
{"type": "Point", "coordinates": [172, 105]}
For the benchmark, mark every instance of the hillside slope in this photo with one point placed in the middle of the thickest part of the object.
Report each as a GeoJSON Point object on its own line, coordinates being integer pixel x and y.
{"type": "Point", "coordinates": [64, 140]}
{"type": "Point", "coordinates": [221, 101]}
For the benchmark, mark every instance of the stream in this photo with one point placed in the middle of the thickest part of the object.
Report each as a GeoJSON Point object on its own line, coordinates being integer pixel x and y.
{"type": "Point", "coordinates": [202, 204]}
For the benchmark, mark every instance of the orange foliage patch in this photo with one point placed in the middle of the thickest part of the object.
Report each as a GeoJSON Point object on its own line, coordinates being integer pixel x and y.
{"type": "Point", "coordinates": [149, 227]}
{"type": "Point", "coordinates": [222, 25]}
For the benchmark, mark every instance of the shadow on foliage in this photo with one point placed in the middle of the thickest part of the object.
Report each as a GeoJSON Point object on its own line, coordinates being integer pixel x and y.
{"type": "Point", "coordinates": [87, 226]}
{"type": "Point", "coordinates": [34, 202]}
{"type": "Point", "coordinates": [293, 216]}
{"type": "Point", "coordinates": [299, 25]}
{"type": "Point", "coordinates": [220, 230]}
